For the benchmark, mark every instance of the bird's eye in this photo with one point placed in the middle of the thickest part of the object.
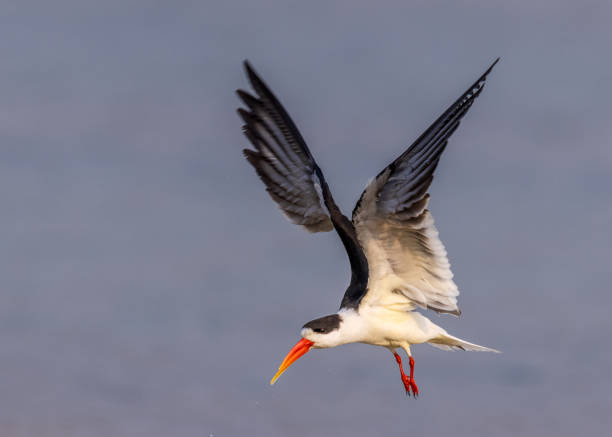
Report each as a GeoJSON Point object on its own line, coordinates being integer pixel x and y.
{"type": "Point", "coordinates": [319, 330]}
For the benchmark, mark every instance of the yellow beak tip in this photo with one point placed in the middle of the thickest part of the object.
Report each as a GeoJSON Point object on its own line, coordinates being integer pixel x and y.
{"type": "Point", "coordinates": [296, 352]}
{"type": "Point", "coordinates": [274, 379]}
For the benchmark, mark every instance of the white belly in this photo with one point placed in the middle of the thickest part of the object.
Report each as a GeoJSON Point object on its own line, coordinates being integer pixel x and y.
{"type": "Point", "coordinates": [383, 327]}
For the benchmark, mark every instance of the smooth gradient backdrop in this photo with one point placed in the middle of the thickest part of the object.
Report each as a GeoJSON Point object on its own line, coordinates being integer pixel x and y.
{"type": "Point", "coordinates": [150, 287]}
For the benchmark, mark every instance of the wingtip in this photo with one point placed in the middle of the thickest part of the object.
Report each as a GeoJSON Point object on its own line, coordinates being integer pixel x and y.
{"type": "Point", "coordinates": [248, 154]}
{"type": "Point", "coordinates": [248, 99]}
{"type": "Point", "coordinates": [243, 113]}
{"type": "Point", "coordinates": [239, 92]}
{"type": "Point", "coordinates": [492, 65]}
{"type": "Point", "coordinates": [251, 74]}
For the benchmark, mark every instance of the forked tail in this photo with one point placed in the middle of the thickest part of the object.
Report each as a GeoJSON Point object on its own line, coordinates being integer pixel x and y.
{"type": "Point", "coordinates": [448, 342]}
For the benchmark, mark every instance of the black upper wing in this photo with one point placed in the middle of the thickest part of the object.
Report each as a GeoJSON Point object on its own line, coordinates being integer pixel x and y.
{"type": "Point", "coordinates": [408, 263]}
{"type": "Point", "coordinates": [282, 159]}
{"type": "Point", "coordinates": [292, 177]}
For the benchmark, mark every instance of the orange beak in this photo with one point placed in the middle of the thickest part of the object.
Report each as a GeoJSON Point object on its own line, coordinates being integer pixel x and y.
{"type": "Point", "coordinates": [296, 352]}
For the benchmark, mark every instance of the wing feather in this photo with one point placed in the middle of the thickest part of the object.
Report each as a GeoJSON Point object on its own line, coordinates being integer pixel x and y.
{"type": "Point", "coordinates": [292, 178]}
{"type": "Point", "coordinates": [408, 263]}
{"type": "Point", "coordinates": [281, 158]}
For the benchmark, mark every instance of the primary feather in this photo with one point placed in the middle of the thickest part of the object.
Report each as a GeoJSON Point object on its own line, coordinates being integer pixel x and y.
{"type": "Point", "coordinates": [407, 260]}
{"type": "Point", "coordinates": [282, 159]}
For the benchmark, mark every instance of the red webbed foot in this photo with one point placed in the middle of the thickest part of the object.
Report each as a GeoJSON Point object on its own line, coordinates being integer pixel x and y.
{"type": "Point", "coordinates": [410, 386]}
{"type": "Point", "coordinates": [409, 383]}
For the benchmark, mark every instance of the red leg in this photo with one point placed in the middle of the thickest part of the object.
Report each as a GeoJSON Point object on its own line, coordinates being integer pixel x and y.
{"type": "Point", "coordinates": [415, 389]}
{"type": "Point", "coordinates": [409, 383]}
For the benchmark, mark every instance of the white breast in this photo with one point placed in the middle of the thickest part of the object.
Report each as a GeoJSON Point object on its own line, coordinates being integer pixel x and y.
{"type": "Point", "coordinates": [385, 327]}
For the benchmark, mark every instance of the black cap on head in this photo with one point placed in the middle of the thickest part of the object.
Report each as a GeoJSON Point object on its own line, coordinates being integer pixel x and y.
{"type": "Point", "coordinates": [325, 324]}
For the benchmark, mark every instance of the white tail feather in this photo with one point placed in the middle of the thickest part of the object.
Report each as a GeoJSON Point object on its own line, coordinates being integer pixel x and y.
{"type": "Point", "coordinates": [448, 342]}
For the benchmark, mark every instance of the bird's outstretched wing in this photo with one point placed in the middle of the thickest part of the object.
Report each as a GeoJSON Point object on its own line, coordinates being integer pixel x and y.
{"type": "Point", "coordinates": [292, 177]}
{"type": "Point", "coordinates": [282, 159]}
{"type": "Point", "coordinates": [407, 260]}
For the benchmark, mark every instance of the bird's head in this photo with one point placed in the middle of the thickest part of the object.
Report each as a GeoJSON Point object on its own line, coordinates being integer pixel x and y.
{"type": "Point", "coordinates": [320, 333]}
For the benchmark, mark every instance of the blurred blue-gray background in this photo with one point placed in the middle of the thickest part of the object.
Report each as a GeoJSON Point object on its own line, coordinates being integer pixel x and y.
{"type": "Point", "coordinates": [149, 286]}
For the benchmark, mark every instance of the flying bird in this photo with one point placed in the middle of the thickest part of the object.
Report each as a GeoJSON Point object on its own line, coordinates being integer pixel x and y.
{"type": "Point", "coordinates": [398, 263]}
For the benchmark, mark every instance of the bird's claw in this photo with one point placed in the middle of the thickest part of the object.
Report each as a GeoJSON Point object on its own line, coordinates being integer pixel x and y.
{"type": "Point", "coordinates": [410, 386]}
